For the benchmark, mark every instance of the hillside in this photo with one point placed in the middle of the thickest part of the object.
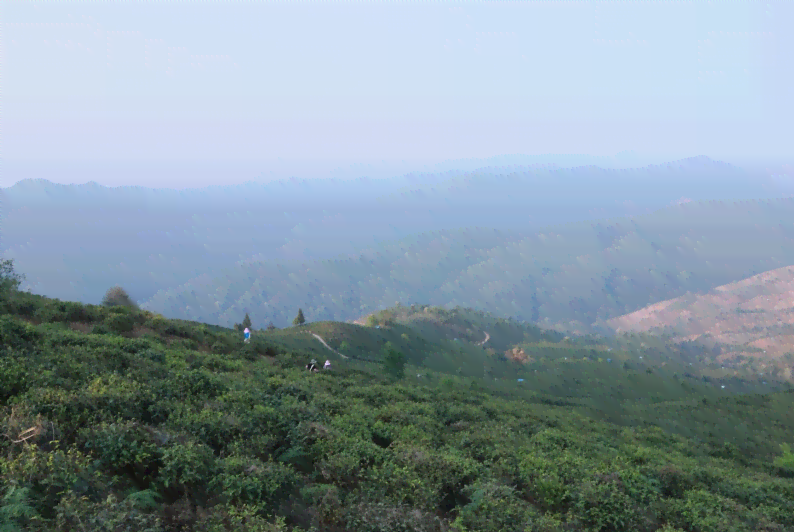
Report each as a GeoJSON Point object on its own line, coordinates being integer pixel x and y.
{"type": "Point", "coordinates": [570, 278]}
{"type": "Point", "coordinates": [60, 232]}
{"type": "Point", "coordinates": [117, 419]}
{"type": "Point", "coordinates": [751, 320]}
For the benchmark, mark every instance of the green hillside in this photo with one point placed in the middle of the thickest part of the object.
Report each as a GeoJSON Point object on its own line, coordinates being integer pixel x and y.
{"type": "Point", "coordinates": [570, 277]}
{"type": "Point", "coordinates": [120, 419]}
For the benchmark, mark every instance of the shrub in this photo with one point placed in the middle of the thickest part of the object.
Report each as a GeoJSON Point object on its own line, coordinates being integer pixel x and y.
{"type": "Point", "coordinates": [123, 448]}
{"type": "Point", "coordinates": [493, 508]}
{"type": "Point", "coordinates": [197, 383]}
{"type": "Point", "coordinates": [81, 513]}
{"type": "Point", "coordinates": [325, 501]}
{"type": "Point", "coordinates": [154, 355]}
{"type": "Point", "coordinates": [100, 329]}
{"type": "Point", "coordinates": [786, 460]}
{"type": "Point", "coordinates": [9, 279]}
{"type": "Point", "coordinates": [187, 468]}
{"type": "Point", "coordinates": [709, 512]}
{"type": "Point", "coordinates": [13, 377]}
{"type": "Point", "coordinates": [394, 362]}
{"type": "Point", "coordinates": [372, 516]}
{"type": "Point", "coordinates": [604, 507]}
{"type": "Point", "coordinates": [118, 297]}
{"type": "Point", "coordinates": [120, 323]}
{"type": "Point", "coordinates": [674, 482]}
{"type": "Point", "coordinates": [544, 484]}
{"type": "Point", "coordinates": [16, 333]}
{"type": "Point", "coordinates": [250, 481]}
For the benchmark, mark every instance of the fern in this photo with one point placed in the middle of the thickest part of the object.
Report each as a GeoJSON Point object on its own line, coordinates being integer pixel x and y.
{"type": "Point", "coordinates": [16, 509]}
{"type": "Point", "coordinates": [787, 460]}
{"type": "Point", "coordinates": [145, 500]}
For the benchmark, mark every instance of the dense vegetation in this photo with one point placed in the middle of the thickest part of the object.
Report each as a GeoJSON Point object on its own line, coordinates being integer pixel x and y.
{"type": "Point", "coordinates": [570, 277]}
{"type": "Point", "coordinates": [119, 419]}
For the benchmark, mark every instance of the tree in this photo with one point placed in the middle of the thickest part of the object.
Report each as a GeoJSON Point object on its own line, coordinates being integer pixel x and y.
{"type": "Point", "coordinates": [118, 297]}
{"type": "Point", "coordinates": [786, 461]}
{"type": "Point", "coordinates": [299, 319]}
{"type": "Point", "coordinates": [271, 327]}
{"type": "Point", "coordinates": [9, 280]}
{"type": "Point", "coordinates": [372, 320]}
{"type": "Point", "coordinates": [394, 362]}
{"type": "Point", "coordinates": [246, 322]}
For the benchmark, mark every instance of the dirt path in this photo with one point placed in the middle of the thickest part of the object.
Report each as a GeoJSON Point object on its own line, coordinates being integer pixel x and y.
{"type": "Point", "coordinates": [487, 337]}
{"type": "Point", "coordinates": [329, 347]}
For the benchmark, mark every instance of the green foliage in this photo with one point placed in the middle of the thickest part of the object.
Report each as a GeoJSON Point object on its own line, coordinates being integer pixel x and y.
{"type": "Point", "coordinates": [150, 434]}
{"type": "Point", "coordinates": [117, 296]}
{"type": "Point", "coordinates": [786, 460]}
{"type": "Point", "coordinates": [186, 467]}
{"type": "Point", "coordinates": [120, 323]}
{"type": "Point", "coordinates": [55, 311]}
{"type": "Point", "coordinates": [16, 510]}
{"type": "Point", "coordinates": [493, 508]}
{"type": "Point", "coordinates": [246, 322]}
{"type": "Point", "coordinates": [249, 481]}
{"type": "Point", "coordinates": [123, 448]}
{"type": "Point", "coordinates": [16, 333]}
{"type": "Point", "coordinates": [299, 319]}
{"type": "Point", "coordinates": [9, 279]}
{"type": "Point", "coordinates": [394, 362]}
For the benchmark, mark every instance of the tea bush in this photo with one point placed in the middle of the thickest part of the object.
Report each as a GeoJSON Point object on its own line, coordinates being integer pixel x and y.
{"type": "Point", "coordinates": [104, 432]}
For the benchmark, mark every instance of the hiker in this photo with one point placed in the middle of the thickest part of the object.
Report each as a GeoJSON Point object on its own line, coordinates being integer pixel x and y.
{"type": "Point", "coordinates": [312, 366]}
{"type": "Point", "coordinates": [247, 335]}
{"type": "Point", "coordinates": [327, 364]}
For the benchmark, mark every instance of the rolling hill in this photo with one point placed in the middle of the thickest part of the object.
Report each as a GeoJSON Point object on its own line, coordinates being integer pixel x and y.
{"type": "Point", "coordinates": [115, 417]}
{"type": "Point", "coordinates": [74, 241]}
{"type": "Point", "coordinates": [570, 278]}
{"type": "Point", "coordinates": [750, 320]}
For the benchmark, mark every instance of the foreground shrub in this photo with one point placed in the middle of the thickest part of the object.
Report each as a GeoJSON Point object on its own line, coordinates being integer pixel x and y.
{"type": "Point", "coordinates": [16, 333]}
{"type": "Point", "coordinates": [494, 507]}
{"type": "Point", "coordinates": [120, 323]}
{"type": "Point", "coordinates": [187, 469]}
{"type": "Point", "coordinates": [124, 448]}
{"type": "Point", "coordinates": [371, 516]}
{"type": "Point", "coordinates": [108, 515]}
{"type": "Point", "coordinates": [248, 481]}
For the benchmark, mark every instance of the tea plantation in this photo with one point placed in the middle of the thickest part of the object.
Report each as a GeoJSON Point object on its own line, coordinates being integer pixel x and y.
{"type": "Point", "coordinates": [115, 419]}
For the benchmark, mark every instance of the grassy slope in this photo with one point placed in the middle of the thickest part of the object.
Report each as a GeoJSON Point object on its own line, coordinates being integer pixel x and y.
{"type": "Point", "coordinates": [179, 426]}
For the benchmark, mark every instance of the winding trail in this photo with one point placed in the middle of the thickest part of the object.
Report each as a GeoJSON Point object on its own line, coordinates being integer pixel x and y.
{"type": "Point", "coordinates": [487, 337]}
{"type": "Point", "coordinates": [328, 346]}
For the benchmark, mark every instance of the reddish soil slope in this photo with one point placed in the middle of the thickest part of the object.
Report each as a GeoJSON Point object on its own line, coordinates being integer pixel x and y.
{"type": "Point", "coordinates": [753, 317]}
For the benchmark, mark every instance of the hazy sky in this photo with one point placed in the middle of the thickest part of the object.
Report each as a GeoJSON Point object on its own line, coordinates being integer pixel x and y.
{"type": "Point", "coordinates": [232, 87]}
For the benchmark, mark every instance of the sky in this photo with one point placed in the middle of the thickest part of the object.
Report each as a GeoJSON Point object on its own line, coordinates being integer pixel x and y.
{"type": "Point", "coordinates": [183, 94]}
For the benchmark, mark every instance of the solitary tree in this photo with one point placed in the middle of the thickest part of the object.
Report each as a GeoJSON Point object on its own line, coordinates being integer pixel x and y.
{"type": "Point", "coordinates": [246, 322]}
{"type": "Point", "coordinates": [394, 362]}
{"type": "Point", "coordinates": [299, 319]}
{"type": "Point", "coordinates": [118, 297]}
{"type": "Point", "coordinates": [9, 280]}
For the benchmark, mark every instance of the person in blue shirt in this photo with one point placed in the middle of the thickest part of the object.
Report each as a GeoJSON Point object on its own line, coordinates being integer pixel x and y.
{"type": "Point", "coordinates": [247, 335]}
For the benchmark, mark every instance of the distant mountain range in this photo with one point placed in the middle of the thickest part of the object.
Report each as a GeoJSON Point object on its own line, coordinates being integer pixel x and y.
{"type": "Point", "coordinates": [517, 241]}
{"type": "Point", "coordinates": [573, 279]}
